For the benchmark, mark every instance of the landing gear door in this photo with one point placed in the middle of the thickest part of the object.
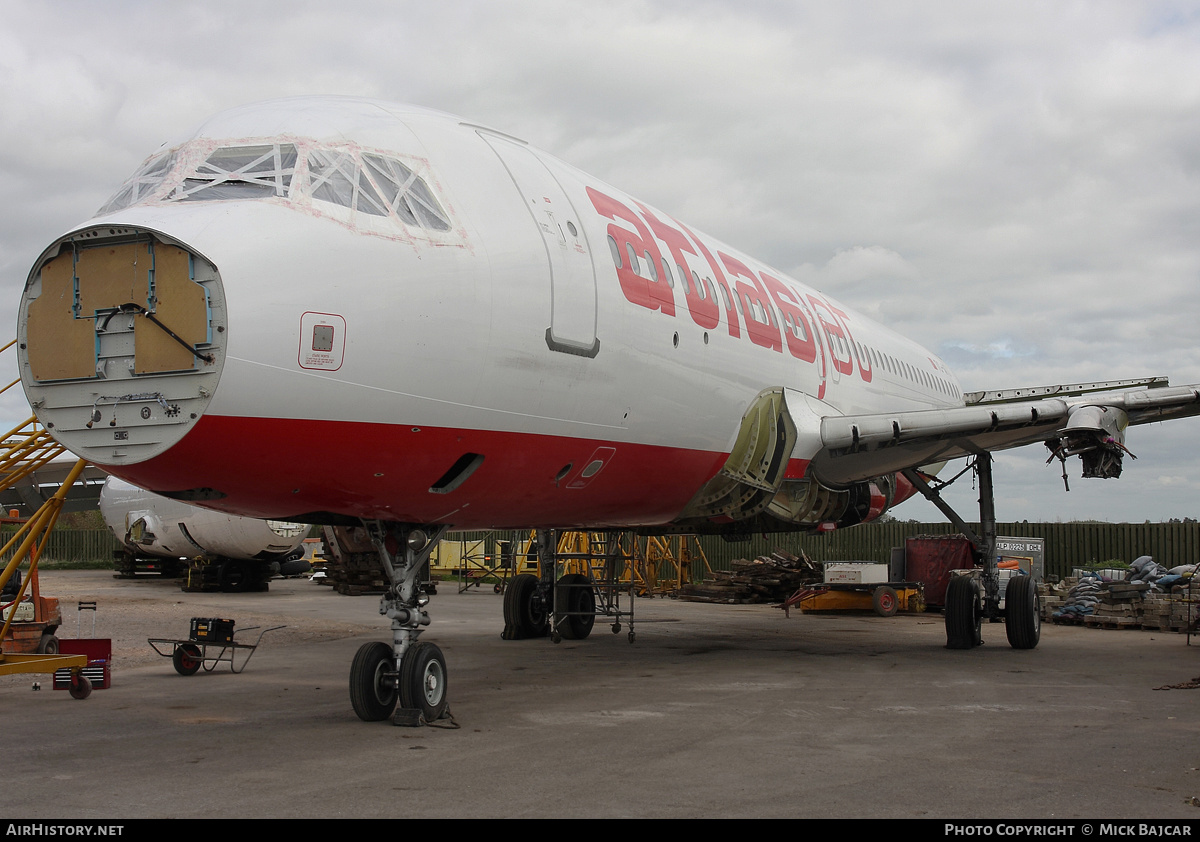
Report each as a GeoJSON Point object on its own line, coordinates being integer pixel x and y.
{"type": "Point", "coordinates": [572, 278]}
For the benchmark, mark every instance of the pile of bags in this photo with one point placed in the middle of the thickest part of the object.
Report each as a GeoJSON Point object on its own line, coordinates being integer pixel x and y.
{"type": "Point", "coordinates": [1082, 599]}
{"type": "Point", "coordinates": [1085, 596]}
{"type": "Point", "coordinates": [1146, 569]}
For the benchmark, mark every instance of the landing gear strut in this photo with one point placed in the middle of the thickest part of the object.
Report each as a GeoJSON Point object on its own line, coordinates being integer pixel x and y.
{"type": "Point", "coordinates": [410, 672]}
{"type": "Point", "coordinates": [970, 598]}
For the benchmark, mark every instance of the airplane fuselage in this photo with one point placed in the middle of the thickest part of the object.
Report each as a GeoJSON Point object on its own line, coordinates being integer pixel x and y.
{"type": "Point", "coordinates": [149, 525]}
{"type": "Point", "coordinates": [400, 316]}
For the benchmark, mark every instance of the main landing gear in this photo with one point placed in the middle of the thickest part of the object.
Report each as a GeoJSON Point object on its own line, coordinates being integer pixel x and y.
{"type": "Point", "coordinates": [406, 681]}
{"type": "Point", "coordinates": [975, 595]}
{"type": "Point", "coordinates": [529, 608]}
{"type": "Point", "coordinates": [566, 609]}
{"type": "Point", "coordinates": [526, 608]}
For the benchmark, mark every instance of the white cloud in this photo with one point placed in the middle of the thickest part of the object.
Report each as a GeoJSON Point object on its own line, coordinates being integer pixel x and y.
{"type": "Point", "coordinates": [1017, 186]}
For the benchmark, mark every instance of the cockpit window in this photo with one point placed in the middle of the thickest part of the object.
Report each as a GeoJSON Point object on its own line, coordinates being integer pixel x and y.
{"type": "Point", "coordinates": [302, 173]}
{"type": "Point", "coordinates": [334, 178]}
{"type": "Point", "coordinates": [241, 172]}
{"type": "Point", "coordinates": [406, 194]}
{"type": "Point", "coordinates": [380, 186]}
{"type": "Point", "coordinates": [142, 184]}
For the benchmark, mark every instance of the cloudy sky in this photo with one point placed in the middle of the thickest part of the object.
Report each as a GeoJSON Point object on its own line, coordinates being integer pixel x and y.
{"type": "Point", "coordinates": [1015, 185]}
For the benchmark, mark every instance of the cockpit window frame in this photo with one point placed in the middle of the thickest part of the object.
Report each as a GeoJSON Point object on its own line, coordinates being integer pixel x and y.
{"type": "Point", "coordinates": [248, 179]}
{"type": "Point", "coordinates": [338, 181]}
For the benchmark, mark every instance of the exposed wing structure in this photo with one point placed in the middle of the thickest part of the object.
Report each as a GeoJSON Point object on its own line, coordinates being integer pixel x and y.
{"type": "Point", "coordinates": [857, 447]}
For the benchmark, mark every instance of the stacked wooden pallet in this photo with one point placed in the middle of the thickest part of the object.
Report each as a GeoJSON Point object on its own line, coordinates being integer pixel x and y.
{"type": "Point", "coordinates": [1128, 605]}
{"type": "Point", "coordinates": [1053, 597]}
{"type": "Point", "coordinates": [769, 578]}
{"type": "Point", "coordinates": [1174, 611]}
{"type": "Point", "coordinates": [1120, 606]}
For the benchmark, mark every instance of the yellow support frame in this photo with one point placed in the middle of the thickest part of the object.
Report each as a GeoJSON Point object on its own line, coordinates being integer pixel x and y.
{"type": "Point", "coordinates": [654, 565]}
{"type": "Point", "coordinates": [665, 565]}
{"type": "Point", "coordinates": [36, 527]}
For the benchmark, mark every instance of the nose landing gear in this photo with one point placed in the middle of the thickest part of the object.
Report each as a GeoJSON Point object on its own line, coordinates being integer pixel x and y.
{"type": "Point", "coordinates": [409, 672]}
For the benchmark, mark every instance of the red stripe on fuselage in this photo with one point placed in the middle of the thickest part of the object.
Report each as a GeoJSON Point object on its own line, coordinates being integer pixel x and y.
{"type": "Point", "coordinates": [904, 490]}
{"type": "Point", "coordinates": [278, 468]}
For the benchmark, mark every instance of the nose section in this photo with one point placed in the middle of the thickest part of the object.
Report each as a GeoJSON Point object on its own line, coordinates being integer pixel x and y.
{"type": "Point", "coordinates": [121, 339]}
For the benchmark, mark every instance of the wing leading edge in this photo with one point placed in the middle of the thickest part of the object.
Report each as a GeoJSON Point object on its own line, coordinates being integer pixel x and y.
{"type": "Point", "coordinates": [1092, 426]}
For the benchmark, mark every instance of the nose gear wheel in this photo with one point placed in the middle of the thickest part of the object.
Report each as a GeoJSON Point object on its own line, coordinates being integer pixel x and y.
{"type": "Point", "coordinates": [423, 681]}
{"type": "Point", "coordinates": [373, 682]}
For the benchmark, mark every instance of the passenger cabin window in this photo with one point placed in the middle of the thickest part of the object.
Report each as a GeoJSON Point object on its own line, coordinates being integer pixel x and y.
{"type": "Point", "coordinates": [633, 261]}
{"type": "Point", "coordinates": [798, 329]}
{"type": "Point", "coordinates": [688, 284]}
{"type": "Point", "coordinates": [616, 251]}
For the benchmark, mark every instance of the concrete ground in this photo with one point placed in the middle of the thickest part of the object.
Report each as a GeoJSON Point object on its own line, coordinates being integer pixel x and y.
{"type": "Point", "coordinates": [722, 711]}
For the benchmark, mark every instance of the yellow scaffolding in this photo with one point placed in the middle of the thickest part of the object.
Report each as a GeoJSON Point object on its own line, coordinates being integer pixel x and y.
{"type": "Point", "coordinates": [23, 450]}
{"type": "Point", "coordinates": [664, 564]}
{"type": "Point", "coordinates": [659, 565]}
{"type": "Point", "coordinates": [32, 539]}
{"type": "Point", "coordinates": [471, 561]}
{"type": "Point", "coordinates": [26, 447]}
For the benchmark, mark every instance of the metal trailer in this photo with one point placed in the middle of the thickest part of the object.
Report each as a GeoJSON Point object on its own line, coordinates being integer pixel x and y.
{"type": "Point", "coordinates": [884, 598]}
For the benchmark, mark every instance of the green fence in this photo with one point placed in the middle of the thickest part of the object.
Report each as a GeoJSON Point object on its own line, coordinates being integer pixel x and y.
{"type": "Point", "coordinates": [1068, 545]}
{"type": "Point", "coordinates": [73, 545]}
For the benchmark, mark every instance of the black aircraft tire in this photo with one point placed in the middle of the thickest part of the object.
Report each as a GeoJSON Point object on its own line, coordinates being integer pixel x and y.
{"type": "Point", "coordinates": [423, 684]}
{"type": "Point", "coordinates": [885, 601]}
{"type": "Point", "coordinates": [963, 614]}
{"type": "Point", "coordinates": [1022, 610]}
{"type": "Point", "coordinates": [372, 682]}
{"type": "Point", "coordinates": [511, 614]}
{"type": "Point", "coordinates": [524, 610]}
{"type": "Point", "coordinates": [575, 591]}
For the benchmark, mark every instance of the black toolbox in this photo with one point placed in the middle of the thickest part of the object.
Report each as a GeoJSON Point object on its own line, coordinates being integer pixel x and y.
{"type": "Point", "coordinates": [211, 630]}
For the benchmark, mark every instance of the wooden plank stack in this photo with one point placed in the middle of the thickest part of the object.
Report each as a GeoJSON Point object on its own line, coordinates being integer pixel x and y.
{"type": "Point", "coordinates": [768, 578]}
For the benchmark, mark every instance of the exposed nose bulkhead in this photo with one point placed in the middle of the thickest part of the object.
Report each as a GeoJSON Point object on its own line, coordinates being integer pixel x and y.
{"type": "Point", "coordinates": [121, 341]}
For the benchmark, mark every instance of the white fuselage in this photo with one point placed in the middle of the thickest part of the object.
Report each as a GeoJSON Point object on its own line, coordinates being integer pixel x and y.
{"type": "Point", "coordinates": [150, 525]}
{"type": "Point", "coordinates": [362, 360]}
